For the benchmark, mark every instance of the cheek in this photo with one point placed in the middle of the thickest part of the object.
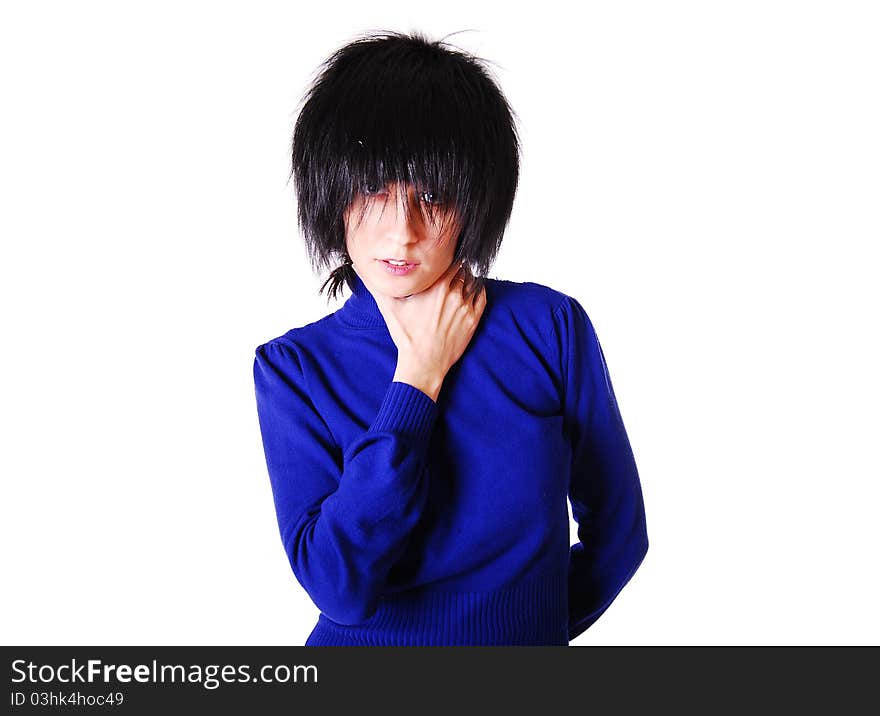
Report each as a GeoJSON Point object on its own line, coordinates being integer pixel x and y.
{"type": "Point", "coordinates": [361, 244]}
{"type": "Point", "coordinates": [446, 243]}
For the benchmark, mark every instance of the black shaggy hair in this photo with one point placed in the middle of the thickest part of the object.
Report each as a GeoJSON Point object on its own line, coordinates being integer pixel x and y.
{"type": "Point", "coordinates": [390, 107]}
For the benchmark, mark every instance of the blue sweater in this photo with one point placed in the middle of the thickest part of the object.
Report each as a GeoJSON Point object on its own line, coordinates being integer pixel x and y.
{"type": "Point", "coordinates": [410, 522]}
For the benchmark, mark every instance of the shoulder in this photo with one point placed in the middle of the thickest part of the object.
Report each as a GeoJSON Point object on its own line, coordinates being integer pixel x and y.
{"type": "Point", "coordinates": [529, 301]}
{"type": "Point", "coordinates": [287, 346]}
{"type": "Point", "coordinates": [524, 293]}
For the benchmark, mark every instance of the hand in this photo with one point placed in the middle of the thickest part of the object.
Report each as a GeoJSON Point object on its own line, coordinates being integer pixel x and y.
{"type": "Point", "coordinates": [432, 328]}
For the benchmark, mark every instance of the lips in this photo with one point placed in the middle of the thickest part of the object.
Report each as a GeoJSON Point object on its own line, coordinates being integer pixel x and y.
{"type": "Point", "coordinates": [398, 269]}
{"type": "Point", "coordinates": [399, 262]}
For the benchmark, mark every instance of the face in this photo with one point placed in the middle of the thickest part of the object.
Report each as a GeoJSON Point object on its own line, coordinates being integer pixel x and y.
{"type": "Point", "coordinates": [424, 237]}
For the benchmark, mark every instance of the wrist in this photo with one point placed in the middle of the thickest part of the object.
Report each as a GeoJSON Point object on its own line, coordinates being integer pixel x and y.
{"type": "Point", "coordinates": [428, 383]}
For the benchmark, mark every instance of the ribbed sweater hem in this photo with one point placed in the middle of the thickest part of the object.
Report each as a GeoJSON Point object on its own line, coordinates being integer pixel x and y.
{"type": "Point", "coordinates": [531, 613]}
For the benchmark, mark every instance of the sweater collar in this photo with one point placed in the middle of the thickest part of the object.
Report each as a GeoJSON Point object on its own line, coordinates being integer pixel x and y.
{"type": "Point", "coordinates": [361, 309]}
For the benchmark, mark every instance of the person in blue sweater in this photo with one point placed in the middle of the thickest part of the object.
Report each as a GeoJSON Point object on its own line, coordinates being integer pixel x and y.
{"type": "Point", "coordinates": [423, 440]}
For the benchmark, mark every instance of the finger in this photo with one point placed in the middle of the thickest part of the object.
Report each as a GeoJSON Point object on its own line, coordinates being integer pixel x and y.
{"type": "Point", "coordinates": [463, 280]}
{"type": "Point", "coordinates": [483, 300]}
{"type": "Point", "coordinates": [470, 287]}
{"type": "Point", "coordinates": [386, 309]}
{"type": "Point", "coordinates": [478, 301]}
{"type": "Point", "coordinates": [458, 275]}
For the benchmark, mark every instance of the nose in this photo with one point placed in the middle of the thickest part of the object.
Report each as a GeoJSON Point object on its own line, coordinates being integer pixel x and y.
{"type": "Point", "coordinates": [401, 224]}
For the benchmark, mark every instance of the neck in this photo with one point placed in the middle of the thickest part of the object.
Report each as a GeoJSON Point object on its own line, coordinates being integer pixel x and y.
{"type": "Point", "coordinates": [361, 309]}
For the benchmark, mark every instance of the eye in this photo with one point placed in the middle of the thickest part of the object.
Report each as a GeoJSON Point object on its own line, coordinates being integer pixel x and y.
{"type": "Point", "coordinates": [431, 197]}
{"type": "Point", "coordinates": [371, 188]}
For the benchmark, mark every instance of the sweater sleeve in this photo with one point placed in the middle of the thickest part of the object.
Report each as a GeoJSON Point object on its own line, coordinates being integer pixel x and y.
{"type": "Point", "coordinates": [345, 516]}
{"type": "Point", "coordinates": [604, 489]}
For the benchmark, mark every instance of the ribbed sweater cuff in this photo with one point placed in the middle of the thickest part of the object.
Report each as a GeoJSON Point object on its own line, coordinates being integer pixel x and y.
{"type": "Point", "coordinates": [406, 410]}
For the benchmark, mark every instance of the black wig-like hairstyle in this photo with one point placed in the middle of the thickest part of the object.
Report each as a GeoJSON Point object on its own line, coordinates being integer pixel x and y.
{"type": "Point", "coordinates": [390, 107]}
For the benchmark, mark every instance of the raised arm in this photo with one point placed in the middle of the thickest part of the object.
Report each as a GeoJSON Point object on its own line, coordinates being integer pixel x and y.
{"type": "Point", "coordinates": [344, 517]}
{"type": "Point", "coordinates": [605, 491]}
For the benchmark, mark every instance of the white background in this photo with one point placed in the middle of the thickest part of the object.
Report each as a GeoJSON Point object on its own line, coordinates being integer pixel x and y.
{"type": "Point", "coordinates": [702, 176]}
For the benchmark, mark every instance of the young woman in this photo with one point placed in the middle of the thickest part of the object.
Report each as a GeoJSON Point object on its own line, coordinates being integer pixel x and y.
{"type": "Point", "coordinates": [423, 440]}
